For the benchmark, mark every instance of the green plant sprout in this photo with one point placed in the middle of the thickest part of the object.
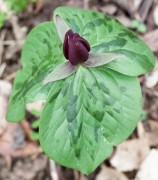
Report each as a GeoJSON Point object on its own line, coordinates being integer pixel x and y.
{"type": "Point", "coordinates": [2, 19]}
{"type": "Point", "coordinates": [18, 5]}
{"type": "Point", "coordinates": [86, 66]}
{"type": "Point", "coordinates": [35, 125]}
{"type": "Point", "coordinates": [139, 26]}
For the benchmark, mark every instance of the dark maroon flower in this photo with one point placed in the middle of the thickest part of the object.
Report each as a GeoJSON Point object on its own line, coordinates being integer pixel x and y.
{"type": "Point", "coordinates": [76, 49]}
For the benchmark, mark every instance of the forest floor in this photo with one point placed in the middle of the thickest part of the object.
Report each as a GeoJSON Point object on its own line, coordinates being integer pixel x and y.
{"type": "Point", "coordinates": [21, 158]}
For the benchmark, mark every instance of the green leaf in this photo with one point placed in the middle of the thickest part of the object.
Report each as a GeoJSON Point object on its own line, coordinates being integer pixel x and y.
{"type": "Point", "coordinates": [142, 28]}
{"type": "Point", "coordinates": [105, 34]}
{"type": "Point", "coordinates": [94, 110]}
{"type": "Point", "coordinates": [135, 23]}
{"type": "Point", "coordinates": [35, 124]}
{"type": "Point", "coordinates": [34, 136]}
{"type": "Point", "coordinates": [76, 18]}
{"type": "Point", "coordinates": [139, 26]}
{"type": "Point", "coordinates": [96, 106]}
{"type": "Point", "coordinates": [2, 19]}
{"type": "Point", "coordinates": [17, 5]}
{"type": "Point", "coordinates": [41, 53]}
{"type": "Point", "coordinates": [35, 112]}
{"type": "Point", "coordinates": [144, 115]}
{"type": "Point", "coordinates": [110, 36]}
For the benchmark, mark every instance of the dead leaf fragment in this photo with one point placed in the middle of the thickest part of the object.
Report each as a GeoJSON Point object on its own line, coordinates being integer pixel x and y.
{"type": "Point", "coordinates": [53, 170]}
{"type": "Point", "coordinates": [13, 142]}
{"type": "Point", "coordinates": [3, 109]}
{"type": "Point", "coordinates": [38, 106]}
{"type": "Point", "coordinates": [110, 174]}
{"type": "Point", "coordinates": [109, 9]}
{"type": "Point", "coordinates": [5, 88]}
{"type": "Point", "coordinates": [151, 38]}
{"type": "Point", "coordinates": [124, 20]}
{"type": "Point", "coordinates": [152, 78]}
{"type": "Point", "coordinates": [155, 15]}
{"type": "Point", "coordinates": [5, 91]}
{"type": "Point", "coordinates": [149, 134]}
{"type": "Point", "coordinates": [130, 154]}
{"type": "Point", "coordinates": [149, 167]}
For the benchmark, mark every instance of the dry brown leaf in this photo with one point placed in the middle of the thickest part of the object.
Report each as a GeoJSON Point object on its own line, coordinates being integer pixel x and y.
{"type": "Point", "coordinates": [130, 154]}
{"type": "Point", "coordinates": [83, 177]}
{"type": "Point", "coordinates": [140, 130]}
{"type": "Point", "coordinates": [28, 169]}
{"type": "Point", "coordinates": [150, 134]}
{"type": "Point", "coordinates": [75, 3]}
{"type": "Point", "coordinates": [13, 142]}
{"type": "Point", "coordinates": [151, 79]}
{"type": "Point", "coordinates": [144, 9]}
{"type": "Point", "coordinates": [122, 3]}
{"type": "Point", "coordinates": [3, 6]}
{"type": "Point", "coordinates": [155, 15]}
{"type": "Point", "coordinates": [2, 36]}
{"type": "Point", "coordinates": [5, 91]}
{"type": "Point", "coordinates": [5, 88]}
{"type": "Point", "coordinates": [38, 106]}
{"type": "Point", "coordinates": [151, 38]}
{"type": "Point", "coordinates": [137, 4]}
{"type": "Point", "coordinates": [149, 168]}
{"type": "Point", "coordinates": [110, 174]}
{"type": "Point", "coordinates": [124, 20]}
{"type": "Point", "coordinates": [53, 170]}
{"type": "Point", "coordinates": [3, 109]}
{"type": "Point", "coordinates": [109, 9]}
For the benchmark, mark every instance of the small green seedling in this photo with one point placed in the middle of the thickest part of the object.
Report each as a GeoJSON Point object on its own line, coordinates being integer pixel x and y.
{"type": "Point", "coordinates": [2, 19]}
{"type": "Point", "coordinates": [86, 66]}
{"type": "Point", "coordinates": [35, 134]}
{"type": "Point", "coordinates": [35, 125]}
{"type": "Point", "coordinates": [18, 5]}
{"type": "Point", "coordinates": [139, 26]}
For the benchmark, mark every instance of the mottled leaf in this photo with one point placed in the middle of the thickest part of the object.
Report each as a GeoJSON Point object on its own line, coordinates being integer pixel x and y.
{"type": "Point", "coordinates": [76, 18]}
{"type": "Point", "coordinates": [96, 106]}
{"type": "Point", "coordinates": [41, 53]}
{"type": "Point", "coordinates": [106, 34]}
{"type": "Point", "coordinates": [94, 110]}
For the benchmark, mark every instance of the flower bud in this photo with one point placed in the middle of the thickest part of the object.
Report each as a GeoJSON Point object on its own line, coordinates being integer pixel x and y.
{"type": "Point", "coordinates": [76, 49]}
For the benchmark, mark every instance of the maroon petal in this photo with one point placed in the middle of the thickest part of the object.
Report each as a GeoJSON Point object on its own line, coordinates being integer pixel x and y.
{"type": "Point", "coordinates": [86, 44]}
{"type": "Point", "coordinates": [77, 52]}
{"type": "Point", "coordinates": [68, 35]}
{"type": "Point", "coordinates": [76, 49]}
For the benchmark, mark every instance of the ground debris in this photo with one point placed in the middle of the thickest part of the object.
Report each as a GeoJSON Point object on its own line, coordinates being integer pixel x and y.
{"type": "Point", "coordinates": [13, 142]}
{"type": "Point", "coordinates": [110, 174]}
{"type": "Point", "coordinates": [5, 91]}
{"type": "Point", "coordinates": [151, 38]}
{"type": "Point", "coordinates": [149, 131]}
{"type": "Point", "coordinates": [149, 167]}
{"type": "Point", "coordinates": [130, 154]}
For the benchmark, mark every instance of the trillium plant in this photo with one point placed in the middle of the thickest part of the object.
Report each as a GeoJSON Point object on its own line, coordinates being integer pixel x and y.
{"type": "Point", "coordinates": [85, 65]}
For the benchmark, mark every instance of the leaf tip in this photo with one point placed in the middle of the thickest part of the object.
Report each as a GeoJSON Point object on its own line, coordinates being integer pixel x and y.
{"type": "Point", "coordinates": [61, 26]}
